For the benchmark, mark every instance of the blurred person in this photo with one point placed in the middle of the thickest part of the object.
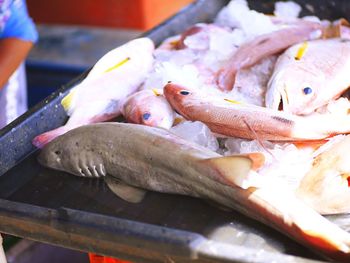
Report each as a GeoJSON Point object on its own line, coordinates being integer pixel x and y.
{"type": "Point", "coordinates": [17, 36]}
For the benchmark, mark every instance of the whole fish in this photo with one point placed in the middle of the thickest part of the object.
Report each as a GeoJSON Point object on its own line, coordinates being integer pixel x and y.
{"type": "Point", "coordinates": [248, 121]}
{"type": "Point", "coordinates": [309, 75]}
{"type": "Point", "coordinates": [148, 107]}
{"type": "Point", "coordinates": [326, 187]}
{"type": "Point", "coordinates": [251, 52]}
{"type": "Point", "coordinates": [131, 158]}
{"type": "Point", "coordinates": [99, 97]}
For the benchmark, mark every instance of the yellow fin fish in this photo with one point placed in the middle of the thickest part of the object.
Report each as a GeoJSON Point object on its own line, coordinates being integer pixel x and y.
{"type": "Point", "coordinates": [320, 74]}
{"type": "Point", "coordinates": [100, 95]}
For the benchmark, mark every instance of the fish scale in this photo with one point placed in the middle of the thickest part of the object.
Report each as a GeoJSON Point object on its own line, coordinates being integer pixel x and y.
{"type": "Point", "coordinates": [250, 121]}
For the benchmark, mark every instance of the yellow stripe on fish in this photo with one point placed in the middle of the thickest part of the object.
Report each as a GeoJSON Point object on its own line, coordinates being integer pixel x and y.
{"type": "Point", "coordinates": [117, 65]}
{"type": "Point", "coordinates": [67, 100]}
{"type": "Point", "coordinates": [233, 101]}
{"type": "Point", "coordinates": [156, 92]}
{"type": "Point", "coordinates": [301, 51]}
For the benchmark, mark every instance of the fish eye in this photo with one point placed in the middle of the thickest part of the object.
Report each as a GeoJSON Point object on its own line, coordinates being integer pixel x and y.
{"type": "Point", "coordinates": [307, 90]}
{"type": "Point", "coordinates": [184, 92]}
{"type": "Point", "coordinates": [146, 116]}
{"type": "Point", "coordinates": [57, 152]}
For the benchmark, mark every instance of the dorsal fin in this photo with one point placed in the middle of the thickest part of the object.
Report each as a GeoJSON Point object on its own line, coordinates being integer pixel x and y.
{"type": "Point", "coordinates": [126, 192]}
{"type": "Point", "coordinates": [237, 169]}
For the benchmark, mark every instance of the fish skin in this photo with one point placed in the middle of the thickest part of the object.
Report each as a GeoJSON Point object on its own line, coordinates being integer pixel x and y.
{"type": "Point", "coordinates": [189, 32]}
{"type": "Point", "coordinates": [251, 52]}
{"type": "Point", "coordinates": [324, 68]}
{"type": "Point", "coordinates": [158, 110]}
{"type": "Point", "coordinates": [338, 29]}
{"type": "Point", "coordinates": [100, 95]}
{"type": "Point", "coordinates": [134, 154]}
{"type": "Point", "coordinates": [325, 187]}
{"type": "Point", "coordinates": [250, 121]}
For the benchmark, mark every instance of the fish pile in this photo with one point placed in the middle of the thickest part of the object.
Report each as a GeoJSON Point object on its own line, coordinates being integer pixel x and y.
{"type": "Point", "coordinates": [250, 106]}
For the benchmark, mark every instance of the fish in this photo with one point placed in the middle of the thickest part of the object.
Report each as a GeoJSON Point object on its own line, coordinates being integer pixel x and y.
{"type": "Point", "coordinates": [130, 158]}
{"type": "Point", "coordinates": [235, 119]}
{"type": "Point", "coordinates": [251, 52]}
{"type": "Point", "coordinates": [148, 107]}
{"type": "Point", "coordinates": [302, 83]}
{"type": "Point", "coordinates": [326, 187]}
{"type": "Point", "coordinates": [337, 29]}
{"type": "Point", "coordinates": [99, 97]}
{"type": "Point", "coordinates": [205, 29]}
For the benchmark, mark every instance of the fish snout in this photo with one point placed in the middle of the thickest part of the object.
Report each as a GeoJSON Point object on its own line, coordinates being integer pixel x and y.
{"type": "Point", "coordinates": [175, 92]}
{"type": "Point", "coordinates": [50, 157]}
{"type": "Point", "coordinates": [176, 95]}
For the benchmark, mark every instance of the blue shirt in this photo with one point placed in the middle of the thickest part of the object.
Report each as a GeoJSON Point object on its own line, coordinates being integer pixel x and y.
{"type": "Point", "coordinates": [15, 21]}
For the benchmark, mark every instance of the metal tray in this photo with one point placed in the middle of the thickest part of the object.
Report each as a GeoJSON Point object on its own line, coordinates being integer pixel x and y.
{"type": "Point", "coordinates": [57, 208]}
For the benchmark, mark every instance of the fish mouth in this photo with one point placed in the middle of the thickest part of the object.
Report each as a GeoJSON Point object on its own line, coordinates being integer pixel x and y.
{"type": "Point", "coordinates": [42, 158]}
{"type": "Point", "coordinates": [284, 101]}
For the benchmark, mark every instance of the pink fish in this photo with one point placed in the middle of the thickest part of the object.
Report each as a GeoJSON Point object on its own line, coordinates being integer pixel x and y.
{"type": "Point", "coordinates": [148, 107]}
{"type": "Point", "coordinates": [263, 46]}
{"type": "Point", "coordinates": [236, 119]}
{"type": "Point", "coordinates": [309, 75]}
{"type": "Point", "coordinates": [98, 97]}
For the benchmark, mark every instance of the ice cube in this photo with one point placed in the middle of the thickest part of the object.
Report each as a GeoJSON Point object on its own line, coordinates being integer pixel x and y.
{"type": "Point", "coordinates": [250, 84]}
{"type": "Point", "coordinates": [238, 15]}
{"type": "Point", "coordinates": [287, 9]}
{"type": "Point", "coordinates": [196, 132]}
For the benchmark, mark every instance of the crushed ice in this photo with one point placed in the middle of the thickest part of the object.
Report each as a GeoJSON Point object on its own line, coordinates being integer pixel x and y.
{"type": "Point", "coordinates": [196, 132]}
{"type": "Point", "coordinates": [207, 51]}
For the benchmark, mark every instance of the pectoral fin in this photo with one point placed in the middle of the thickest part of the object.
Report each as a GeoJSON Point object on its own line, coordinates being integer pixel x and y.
{"type": "Point", "coordinates": [238, 169]}
{"type": "Point", "coordinates": [126, 192]}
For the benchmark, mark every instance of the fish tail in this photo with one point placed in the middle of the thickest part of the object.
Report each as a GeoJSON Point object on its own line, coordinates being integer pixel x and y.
{"type": "Point", "coordinates": [225, 79]}
{"type": "Point", "coordinates": [41, 140]}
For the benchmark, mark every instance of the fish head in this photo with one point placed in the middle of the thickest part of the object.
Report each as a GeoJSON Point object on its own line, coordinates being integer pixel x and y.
{"type": "Point", "coordinates": [158, 114]}
{"type": "Point", "coordinates": [149, 108]}
{"type": "Point", "coordinates": [295, 90]}
{"type": "Point", "coordinates": [178, 95]}
{"type": "Point", "coordinates": [149, 116]}
{"type": "Point", "coordinates": [57, 155]}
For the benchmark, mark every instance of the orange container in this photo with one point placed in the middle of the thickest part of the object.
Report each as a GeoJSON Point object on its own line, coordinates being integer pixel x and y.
{"type": "Point", "coordinates": [133, 14]}
{"type": "Point", "coordinates": [101, 259]}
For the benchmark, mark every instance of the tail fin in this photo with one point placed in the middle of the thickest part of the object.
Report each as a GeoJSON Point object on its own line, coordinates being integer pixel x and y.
{"type": "Point", "coordinates": [41, 140]}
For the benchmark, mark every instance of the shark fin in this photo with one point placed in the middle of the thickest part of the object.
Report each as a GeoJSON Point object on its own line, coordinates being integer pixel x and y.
{"type": "Point", "coordinates": [238, 169]}
{"type": "Point", "coordinates": [126, 192]}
